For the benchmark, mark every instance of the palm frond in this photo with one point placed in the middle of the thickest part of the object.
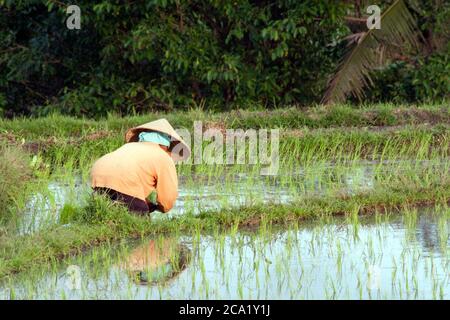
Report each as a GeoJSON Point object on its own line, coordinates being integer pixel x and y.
{"type": "Point", "coordinates": [371, 50]}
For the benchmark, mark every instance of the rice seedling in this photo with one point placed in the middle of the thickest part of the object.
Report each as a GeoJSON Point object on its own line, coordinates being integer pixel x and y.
{"type": "Point", "coordinates": [15, 170]}
{"type": "Point", "coordinates": [326, 170]}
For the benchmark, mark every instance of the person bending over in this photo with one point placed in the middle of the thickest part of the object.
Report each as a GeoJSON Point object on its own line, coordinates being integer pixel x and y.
{"type": "Point", "coordinates": [144, 164]}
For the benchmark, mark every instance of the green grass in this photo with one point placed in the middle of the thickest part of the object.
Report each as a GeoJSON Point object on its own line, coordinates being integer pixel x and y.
{"type": "Point", "coordinates": [15, 171]}
{"type": "Point", "coordinates": [61, 127]}
{"type": "Point", "coordinates": [341, 137]}
{"type": "Point", "coordinates": [299, 148]}
{"type": "Point", "coordinates": [313, 134]}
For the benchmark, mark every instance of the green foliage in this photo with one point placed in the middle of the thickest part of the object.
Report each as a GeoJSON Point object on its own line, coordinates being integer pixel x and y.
{"type": "Point", "coordinates": [431, 79]}
{"type": "Point", "coordinates": [425, 80]}
{"type": "Point", "coordinates": [397, 26]}
{"type": "Point", "coordinates": [164, 54]}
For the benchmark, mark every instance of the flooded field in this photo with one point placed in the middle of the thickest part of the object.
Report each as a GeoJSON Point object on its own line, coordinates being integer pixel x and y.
{"type": "Point", "coordinates": [402, 256]}
{"type": "Point", "coordinates": [206, 192]}
{"type": "Point", "coordinates": [354, 206]}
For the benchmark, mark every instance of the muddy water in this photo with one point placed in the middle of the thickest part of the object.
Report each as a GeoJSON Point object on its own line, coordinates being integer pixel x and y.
{"type": "Point", "coordinates": [402, 257]}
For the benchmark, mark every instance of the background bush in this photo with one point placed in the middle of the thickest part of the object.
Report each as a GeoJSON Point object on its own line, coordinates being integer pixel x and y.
{"type": "Point", "coordinates": [164, 54]}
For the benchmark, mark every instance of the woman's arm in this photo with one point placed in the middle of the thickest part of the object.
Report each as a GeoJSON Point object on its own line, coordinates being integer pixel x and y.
{"type": "Point", "coordinates": [166, 185]}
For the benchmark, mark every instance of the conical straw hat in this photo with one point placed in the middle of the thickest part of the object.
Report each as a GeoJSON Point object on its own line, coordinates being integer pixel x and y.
{"type": "Point", "coordinates": [162, 125]}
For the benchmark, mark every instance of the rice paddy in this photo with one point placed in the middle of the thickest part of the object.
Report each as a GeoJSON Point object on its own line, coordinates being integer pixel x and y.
{"type": "Point", "coordinates": [382, 257]}
{"type": "Point", "coordinates": [357, 210]}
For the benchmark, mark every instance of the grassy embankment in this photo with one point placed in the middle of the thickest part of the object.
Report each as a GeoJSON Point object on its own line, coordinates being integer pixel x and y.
{"type": "Point", "coordinates": [67, 146]}
{"type": "Point", "coordinates": [315, 134]}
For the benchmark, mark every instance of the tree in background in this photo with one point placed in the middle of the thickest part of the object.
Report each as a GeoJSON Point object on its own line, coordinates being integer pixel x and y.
{"type": "Point", "coordinates": [164, 54]}
{"type": "Point", "coordinates": [398, 39]}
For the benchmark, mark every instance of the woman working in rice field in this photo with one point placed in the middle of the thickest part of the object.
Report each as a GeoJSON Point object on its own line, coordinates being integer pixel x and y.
{"type": "Point", "coordinates": [145, 163]}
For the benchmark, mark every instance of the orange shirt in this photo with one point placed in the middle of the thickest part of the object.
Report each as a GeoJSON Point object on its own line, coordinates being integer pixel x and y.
{"type": "Point", "coordinates": [136, 169]}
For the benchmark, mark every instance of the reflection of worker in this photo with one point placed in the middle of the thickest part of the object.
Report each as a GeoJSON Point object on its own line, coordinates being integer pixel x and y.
{"type": "Point", "coordinates": [142, 165]}
{"type": "Point", "coordinates": [156, 261]}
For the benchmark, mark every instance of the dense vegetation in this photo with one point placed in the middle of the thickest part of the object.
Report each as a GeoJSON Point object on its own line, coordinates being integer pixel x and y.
{"type": "Point", "coordinates": [166, 54]}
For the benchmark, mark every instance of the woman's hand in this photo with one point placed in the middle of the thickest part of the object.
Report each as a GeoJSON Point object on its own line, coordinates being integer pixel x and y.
{"type": "Point", "coordinates": [152, 207]}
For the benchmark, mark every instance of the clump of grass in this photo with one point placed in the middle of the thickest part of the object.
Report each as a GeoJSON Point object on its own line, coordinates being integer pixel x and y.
{"type": "Point", "coordinates": [14, 173]}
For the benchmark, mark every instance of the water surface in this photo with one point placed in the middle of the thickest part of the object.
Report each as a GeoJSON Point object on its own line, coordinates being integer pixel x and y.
{"type": "Point", "coordinates": [404, 256]}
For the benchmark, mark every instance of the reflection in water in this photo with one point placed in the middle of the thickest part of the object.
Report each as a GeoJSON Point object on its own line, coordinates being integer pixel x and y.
{"type": "Point", "coordinates": [433, 235]}
{"type": "Point", "coordinates": [429, 231]}
{"type": "Point", "coordinates": [376, 258]}
{"type": "Point", "coordinates": [156, 262]}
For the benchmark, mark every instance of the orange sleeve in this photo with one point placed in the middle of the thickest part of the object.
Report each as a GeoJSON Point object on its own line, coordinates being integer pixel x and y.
{"type": "Point", "coordinates": [166, 184]}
